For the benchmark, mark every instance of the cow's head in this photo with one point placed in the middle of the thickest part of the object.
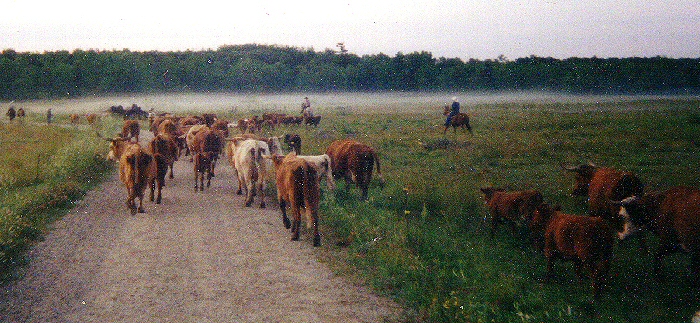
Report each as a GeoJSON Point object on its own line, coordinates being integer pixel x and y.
{"type": "Point", "coordinates": [488, 193]}
{"type": "Point", "coordinates": [540, 217]}
{"type": "Point", "coordinates": [636, 213]}
{"type": "Point", "coordinates": [584, 174]}
{"type": "Point", "coordinates": [116, 148]}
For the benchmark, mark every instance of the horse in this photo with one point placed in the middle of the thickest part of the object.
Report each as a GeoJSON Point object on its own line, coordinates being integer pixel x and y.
{"type": "Point", "coordinates": [459, 120]}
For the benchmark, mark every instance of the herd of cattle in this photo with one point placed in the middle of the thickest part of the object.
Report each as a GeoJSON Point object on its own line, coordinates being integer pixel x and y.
{"type": "Point", "coordinates": [617, 205]}
{"type": "Point", "coordinates": [256, 160]}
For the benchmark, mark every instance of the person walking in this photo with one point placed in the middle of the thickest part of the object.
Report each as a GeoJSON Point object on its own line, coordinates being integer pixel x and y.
{"type": "Point", "coordinates": [11, 113]}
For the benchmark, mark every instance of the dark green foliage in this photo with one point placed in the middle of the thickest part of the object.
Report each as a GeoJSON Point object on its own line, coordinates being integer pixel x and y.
{"type": "Point", "coordinates": [262, 68]}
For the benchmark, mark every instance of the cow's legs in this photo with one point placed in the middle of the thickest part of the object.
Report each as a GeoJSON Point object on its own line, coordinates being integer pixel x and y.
{"type": "Point", "coordinates": [296, 222]}
{"type": "Point", "coordinates": [285, 219]}
{"type": "Point", "coordinates": [317, 236]}
{"type": "Point", "coordinates": [261, 188]}
{"type": "Point", "coordinates": [250, 187]}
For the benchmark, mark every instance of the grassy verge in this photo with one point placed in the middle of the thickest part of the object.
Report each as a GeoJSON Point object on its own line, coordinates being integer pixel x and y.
{"type": "Point", "coordinates": [423, 239]}
{"type": "Point", "coordinates": [44, 169]}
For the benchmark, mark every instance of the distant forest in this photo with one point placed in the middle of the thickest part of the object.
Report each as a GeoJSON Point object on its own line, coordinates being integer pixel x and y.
{"type": "Point", "coordinates": [265, 68]}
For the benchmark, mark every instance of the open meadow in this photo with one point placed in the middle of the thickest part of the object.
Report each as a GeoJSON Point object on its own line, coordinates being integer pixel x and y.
{"type": "Point", "coordinates": [423, 238]}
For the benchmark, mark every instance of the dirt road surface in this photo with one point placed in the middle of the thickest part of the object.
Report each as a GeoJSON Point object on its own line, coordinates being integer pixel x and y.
{"type": "Point", "coordinates": [197, 257]}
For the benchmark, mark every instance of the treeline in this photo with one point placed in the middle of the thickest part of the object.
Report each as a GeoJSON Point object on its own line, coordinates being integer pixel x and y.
{"type": "Point", "coordinates": [263, 68]}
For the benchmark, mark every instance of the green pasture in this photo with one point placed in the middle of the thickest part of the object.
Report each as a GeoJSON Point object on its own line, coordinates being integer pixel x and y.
{"type": "Point", "coordinates": [44, 169]}
{"type": "Point", "coordinates": [423, 238]}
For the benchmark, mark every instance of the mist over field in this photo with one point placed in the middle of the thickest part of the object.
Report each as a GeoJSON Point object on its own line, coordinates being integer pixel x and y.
{"type": "Point", "coordinates": [396, 102]}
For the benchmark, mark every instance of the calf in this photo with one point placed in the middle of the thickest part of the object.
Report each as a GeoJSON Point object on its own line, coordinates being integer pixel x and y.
{"type": "Point", "coordinates": [353, 161]}
{"type": "Point", "coordinates": [202, 167]}
{"type": "Point", "coordinates": [511, 206]}
{"type": "Point", "coordinates": [131, 129]}
{"type": "Point", "coordinates": [297, 186]}
{"type": "Point", "coordinates": [137, 168]}
{"type": "Point", "coordinates": [250, 167]}
{"type": "Point", "coordinates": [74, 119]}
{"type": "Point", "coordinates": [164, 149]}
{"type": "Point", "coordinates": [587, 241]}
{"type": "Point", "coordinates": [294, 142]}
{"type": "Point", "coordinates": [673, 215]}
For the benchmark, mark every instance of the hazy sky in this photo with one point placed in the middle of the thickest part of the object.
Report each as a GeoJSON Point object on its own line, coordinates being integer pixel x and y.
{"type": "Point", "coordinates": [447, 28]}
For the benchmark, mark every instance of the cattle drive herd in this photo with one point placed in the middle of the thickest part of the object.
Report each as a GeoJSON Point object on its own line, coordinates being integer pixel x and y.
{"type": "Point", "coordinates": [617, 205]}
{"type": "Point", "coordinates": [256, 161]}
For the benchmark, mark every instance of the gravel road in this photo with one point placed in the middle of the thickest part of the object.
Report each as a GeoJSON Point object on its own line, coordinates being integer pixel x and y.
{"type": "Point", "coordinates": [197, 257]}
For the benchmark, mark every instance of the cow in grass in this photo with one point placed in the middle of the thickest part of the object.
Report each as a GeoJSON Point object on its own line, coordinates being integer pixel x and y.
{"type": "Point", "coordinates": [294, 142]}
{"type": "Point", "coordinates": [322, 164]}
{"type": "Point", "coordinates": [137, 170]}
{"type": "Point", "coordinates": [513, 206]}
{"type": "Point", "coordinates": [587, 241]}
{"type": "Point", "coordinates": [353, 161]}
{"type": "Point", "coordinates": [602, 186]}
{"type": "Point", "coordinates": [674, 216]}
{"type": "Point", "coordinates": [297, 187]}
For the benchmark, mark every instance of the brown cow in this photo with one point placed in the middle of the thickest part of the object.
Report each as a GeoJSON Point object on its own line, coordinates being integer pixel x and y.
{"type": "Point", "coordinates": [131, 129]}
{"type": "Point", "coordinates": [208, 140]}
{"type": "Point", "coordinates": [353, 161]}
{"type": "Point", "coordinates": [673, 215]}
{"type": "Point", "coordinates": [164, 149]}
{"type": "Point", "coordinates": [202, 167]}
{"type": "Point", "coordinates": [297, 186]}
{"type": "Point", "coordinates": [314, 121]}
{"type": "Point", "coordinates": [91, 118]}
{"type": "Point", "coordinates": [74, 119]}
{"type": "Point", "coordinates": [510, 206]}
{"type": "Point", "coordinates": [602, 186]}
{"type": "Point", "coordinates": [137, 169]}
{"type": "Point", "coordinates": [587, 241]}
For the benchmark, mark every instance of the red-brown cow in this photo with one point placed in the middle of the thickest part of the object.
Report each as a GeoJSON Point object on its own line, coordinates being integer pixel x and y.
{"type": "Point", "coordinates": [297, 186]}
{"type": "Point", "coordinates": [137, 169]}
{"type": "Point", "coordinates": [673, 215]}
{"type": "Point", "coordinates": [602, 186]}
{"type": "Point", "coordinates": [202, 167]}
{"type": "Point", "coordinates": [510, 206]}
{"type": "Point", "coordinates": [353, 161]}
{"type": "Point", "coordinates": [164, 151]}
{"type": "Point", "coordinates": [131, 129]}
{"type": "Point", "coordinates": [587, 241]}
{"type": "Point", "coordinates": [208, 140]}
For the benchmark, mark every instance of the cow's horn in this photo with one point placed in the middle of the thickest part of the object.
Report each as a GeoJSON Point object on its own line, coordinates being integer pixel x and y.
{"type": "Point", "coordinates": [570, 168]}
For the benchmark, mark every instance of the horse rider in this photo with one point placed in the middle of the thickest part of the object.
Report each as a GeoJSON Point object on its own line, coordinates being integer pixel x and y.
{"type": "Point", "coordinates": [453, 112]}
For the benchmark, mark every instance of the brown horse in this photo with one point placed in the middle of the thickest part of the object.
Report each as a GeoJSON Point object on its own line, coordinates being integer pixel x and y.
{"type": "Point", "coordinates": [459, 120]}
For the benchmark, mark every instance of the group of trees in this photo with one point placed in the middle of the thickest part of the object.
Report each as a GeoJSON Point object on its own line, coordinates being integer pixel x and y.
{"type": "Point", "coordinates": [264, 68]}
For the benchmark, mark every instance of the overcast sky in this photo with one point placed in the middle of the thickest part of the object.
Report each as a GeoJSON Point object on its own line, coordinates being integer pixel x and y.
{"type": "Point", "coordinates": [479, 29]}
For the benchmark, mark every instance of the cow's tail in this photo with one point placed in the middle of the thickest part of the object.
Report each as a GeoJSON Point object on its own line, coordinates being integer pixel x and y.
{"type": "Point", "coordinates": [379, 170]}
{"type": "Point", "coordinates": [312, 195]}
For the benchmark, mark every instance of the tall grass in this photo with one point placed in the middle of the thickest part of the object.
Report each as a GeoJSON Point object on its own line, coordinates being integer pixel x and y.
{"type": "Point", "coordinates": [44, 169]}
{"type": "Point", "coordinates": [424, 238]}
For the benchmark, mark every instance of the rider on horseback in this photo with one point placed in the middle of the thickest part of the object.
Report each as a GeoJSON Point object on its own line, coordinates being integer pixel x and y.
{"type": "Point", "coordinates": [453, 112]}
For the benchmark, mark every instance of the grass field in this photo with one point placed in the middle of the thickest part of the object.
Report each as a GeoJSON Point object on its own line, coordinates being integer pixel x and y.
{"type": "Point", "coordinates": [423, 238]}
{"type": "Point", "coordinates": [43, 170]}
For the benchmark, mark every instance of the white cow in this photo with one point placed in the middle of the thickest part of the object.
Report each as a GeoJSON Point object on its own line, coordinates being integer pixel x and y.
{"type": "Point", "coordinates": [252, 170]}
{"type": "Point", "coordinates": [322, 163]}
